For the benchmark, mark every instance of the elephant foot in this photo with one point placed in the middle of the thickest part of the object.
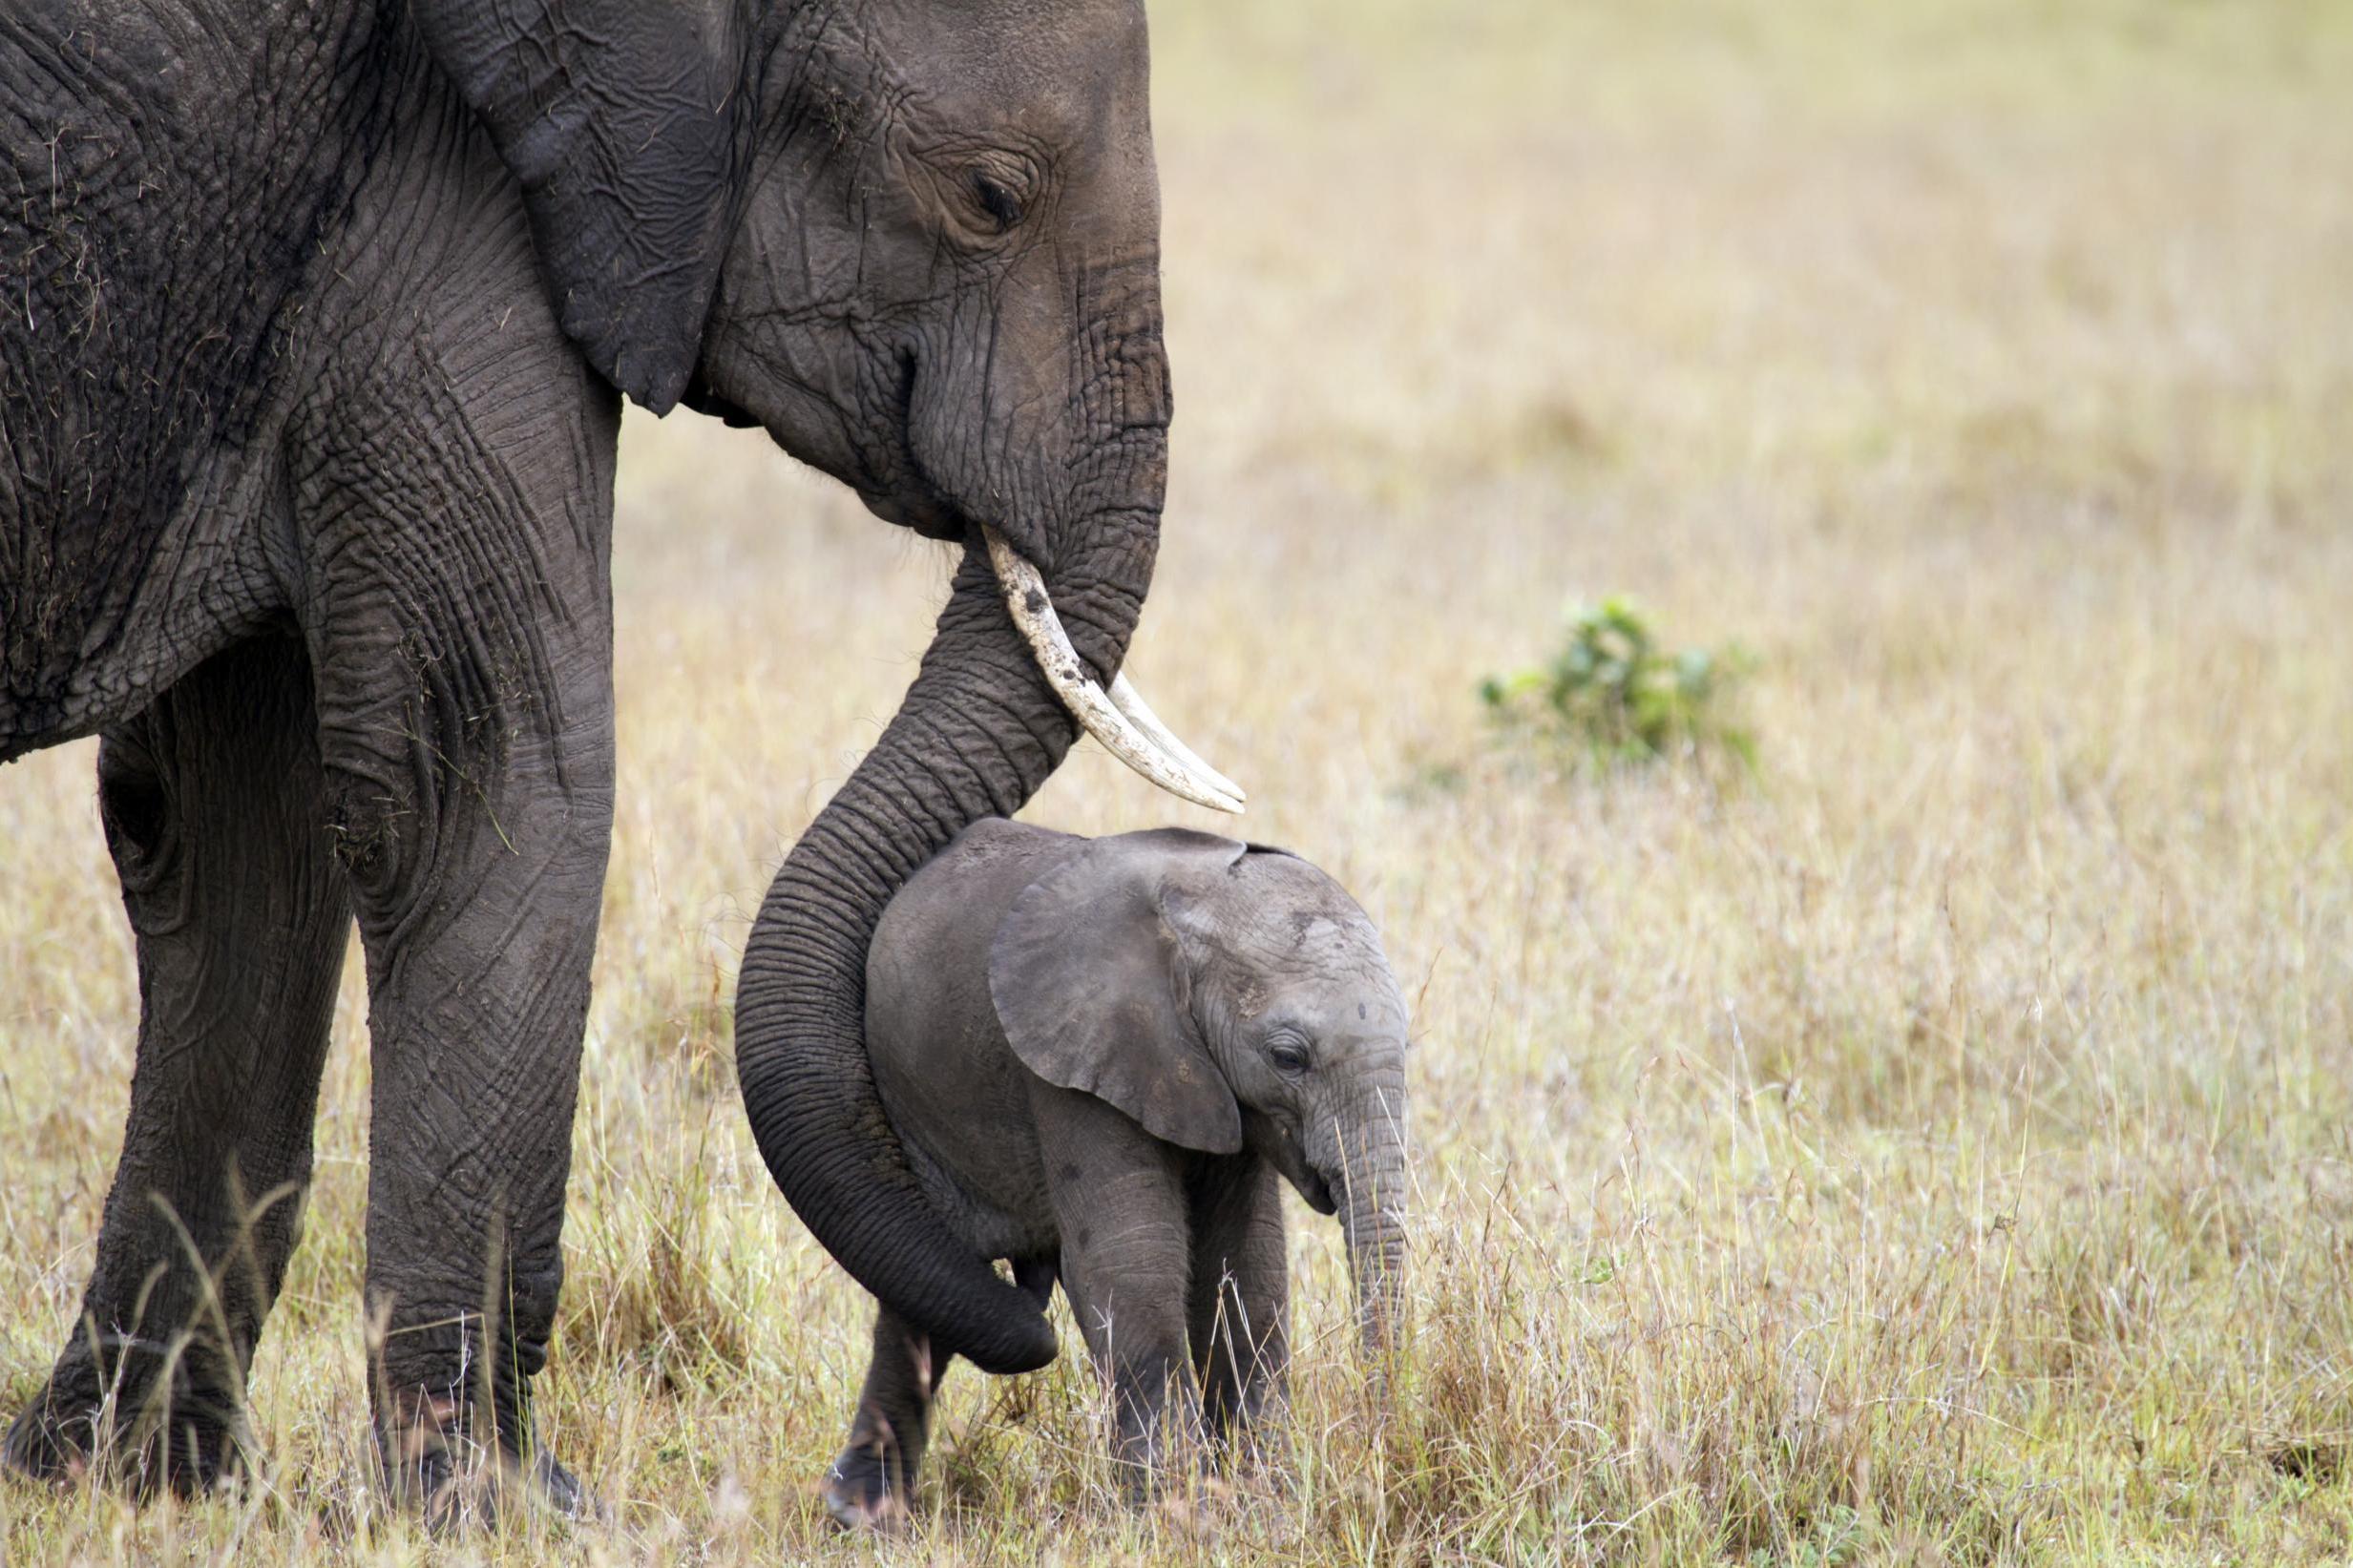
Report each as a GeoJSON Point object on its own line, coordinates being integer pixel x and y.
{"type": "Point", "coordinates": [140, 1429]}
{"type": "Point", "coordinates": [862, 1492]}
{"type": "Point", "coordinates": [49, 1445]}
{"type": "Point", "coordinates": [456, 1482]}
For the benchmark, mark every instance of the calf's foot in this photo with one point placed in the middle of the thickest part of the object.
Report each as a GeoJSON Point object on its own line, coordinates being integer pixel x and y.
{"type": "Point", "coordinates": [864, 1489]}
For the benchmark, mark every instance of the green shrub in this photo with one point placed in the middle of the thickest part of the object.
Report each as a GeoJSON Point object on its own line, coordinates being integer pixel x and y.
{"type": "Point", "coordinates": [1614, 695]}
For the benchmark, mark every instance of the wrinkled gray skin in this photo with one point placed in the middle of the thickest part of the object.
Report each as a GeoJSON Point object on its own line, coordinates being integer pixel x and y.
{"type": "Point", "coordinates": [1100, 1055]}
{"type": "Point", "coordinates": [318, 317]}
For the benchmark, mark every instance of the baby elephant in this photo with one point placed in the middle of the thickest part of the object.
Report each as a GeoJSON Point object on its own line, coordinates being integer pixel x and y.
{"type": "Point", "coordinates": [1100, 1055]}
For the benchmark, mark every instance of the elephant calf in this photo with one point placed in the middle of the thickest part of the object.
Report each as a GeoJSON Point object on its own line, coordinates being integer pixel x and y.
{"type": "Point", "coordinates": [1100, 1053]}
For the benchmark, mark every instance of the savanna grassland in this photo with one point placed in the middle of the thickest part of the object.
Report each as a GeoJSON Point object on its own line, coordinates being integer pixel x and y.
{"type": "Point", "coordinates": [1929, 1146]}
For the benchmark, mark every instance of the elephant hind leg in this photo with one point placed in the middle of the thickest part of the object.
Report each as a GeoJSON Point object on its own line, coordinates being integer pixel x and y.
{"type": "Point", "coordinates": [870, 1485]}
{"type": "Point", "coordinates": [211, 801]}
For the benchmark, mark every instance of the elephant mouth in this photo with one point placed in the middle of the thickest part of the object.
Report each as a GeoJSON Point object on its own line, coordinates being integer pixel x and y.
{"type": "Point", "coordinates": [906, 496]}
{"type": "Point", "coordinates": [890, 480]}
{"type": "Point", "coordinates": [1317, 1191]}
{"type": "Point", "coordinates": [928, 515]}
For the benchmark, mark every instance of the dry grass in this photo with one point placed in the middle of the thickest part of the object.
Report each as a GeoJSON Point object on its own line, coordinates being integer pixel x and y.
{"type": "Point", "coordinates": [1935, 1150]}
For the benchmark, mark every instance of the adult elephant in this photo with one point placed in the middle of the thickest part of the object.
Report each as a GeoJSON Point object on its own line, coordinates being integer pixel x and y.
{"type": "Point", "coordinates": [317, 316]}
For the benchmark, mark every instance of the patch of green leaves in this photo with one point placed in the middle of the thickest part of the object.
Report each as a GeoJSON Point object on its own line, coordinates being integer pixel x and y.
{"type": "Point", "coordinates": [1612, 694]}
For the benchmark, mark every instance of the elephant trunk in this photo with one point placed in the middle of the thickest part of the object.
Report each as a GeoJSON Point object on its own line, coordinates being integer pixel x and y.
{"type": "Point", "coordinates": [1371, 1186]}
{"type": "Point", "coordinates": [980, 731]}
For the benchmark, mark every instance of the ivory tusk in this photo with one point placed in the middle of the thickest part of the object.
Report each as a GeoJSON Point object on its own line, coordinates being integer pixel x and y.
{"type": "Point", "coordinates": [1130, 702]}
{"type": "Point", "coordinates": [1178, 772]}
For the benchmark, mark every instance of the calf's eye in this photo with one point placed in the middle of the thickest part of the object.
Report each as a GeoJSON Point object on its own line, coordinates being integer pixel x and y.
{"type": "Point", "coordinates": [1288, 1056]}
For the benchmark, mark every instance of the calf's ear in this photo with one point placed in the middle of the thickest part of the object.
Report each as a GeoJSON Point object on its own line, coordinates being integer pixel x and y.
{"type": "Point", "coordinates": [1091, 984]}
{"type": "Point", "coordinates": [627, 123]}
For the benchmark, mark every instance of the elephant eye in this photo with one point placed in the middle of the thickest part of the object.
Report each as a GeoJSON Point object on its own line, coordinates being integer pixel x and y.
{"type": "Point", "coordinates": [1002, 206]}
{"type": "Point", "coordinates": [1289, 1055]}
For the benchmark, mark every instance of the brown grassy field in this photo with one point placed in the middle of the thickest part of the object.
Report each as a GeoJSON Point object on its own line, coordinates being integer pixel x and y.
{"type": "Point", "coordinates": [1933, 1147]}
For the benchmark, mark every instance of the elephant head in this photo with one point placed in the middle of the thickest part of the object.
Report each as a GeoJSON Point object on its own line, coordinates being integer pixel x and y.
{"type": "Point", "coordinates": [917, 241]}
{"type": "Point", "coordinates": [1225, 996]}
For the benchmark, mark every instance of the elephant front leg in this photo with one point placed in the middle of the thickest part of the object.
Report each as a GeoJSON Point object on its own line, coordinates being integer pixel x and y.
{"type": "Point", "coordinates": [472, 770]}
{"type": "Point", "coordinates": [478, 958]}
{"type": "Point", "coordinates": [1240, 1307]}
{"type": "Point", "coordinates": [211, 804]}
{"type": "Point", "coordinates": [1120, 1203]}
{"type": "Point", "coordinates": [454, 522]}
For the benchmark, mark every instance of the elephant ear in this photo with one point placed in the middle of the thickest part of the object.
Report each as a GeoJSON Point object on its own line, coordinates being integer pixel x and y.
{"type": "Point", "coordinates": [1089, 977]}
{"type": "Point", "coordinates": [625, 122]}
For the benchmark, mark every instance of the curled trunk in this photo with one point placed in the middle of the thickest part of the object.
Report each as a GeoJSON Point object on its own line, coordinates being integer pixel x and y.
{"type": "Point", "coordinates": [979, 732]}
